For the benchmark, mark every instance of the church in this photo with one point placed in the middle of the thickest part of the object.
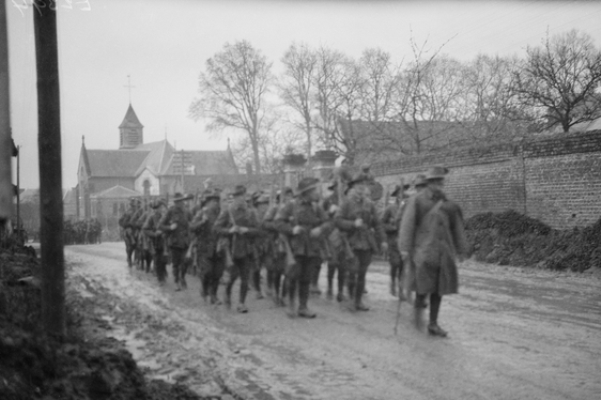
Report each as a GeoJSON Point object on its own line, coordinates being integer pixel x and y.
{"type": "Point", "coordinates": [108, 178]}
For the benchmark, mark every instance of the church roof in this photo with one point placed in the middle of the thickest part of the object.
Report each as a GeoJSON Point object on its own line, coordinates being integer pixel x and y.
{"type": "Point", "coordinates": [115, 163]}
{"type": "Point", "coordinates": [159, 155]}
{"type": "Point", "coordinates": [116, 192]}
{"type": "Point", "coordinates": [131, 119]}
{"type": "Point", "coordinates": [202, 163]}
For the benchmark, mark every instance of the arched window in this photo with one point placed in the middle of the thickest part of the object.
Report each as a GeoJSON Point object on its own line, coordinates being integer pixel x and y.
{"type": "Point", "coordinates": [146, 186]}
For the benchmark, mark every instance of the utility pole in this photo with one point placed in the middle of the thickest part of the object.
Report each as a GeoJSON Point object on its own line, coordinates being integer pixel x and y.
{"type": "Point", "coordinates": [183, 189]}
{"type": "Point", "coordinates": [51, 183]}
{"type": "Point", "coordinates": [6, 144]}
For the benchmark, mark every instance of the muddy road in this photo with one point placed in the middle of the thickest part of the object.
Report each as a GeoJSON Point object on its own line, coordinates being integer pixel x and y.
{"type": "Point", "coordinates": [513, 334]}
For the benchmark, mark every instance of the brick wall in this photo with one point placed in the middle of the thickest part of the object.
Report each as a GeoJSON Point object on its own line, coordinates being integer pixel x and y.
{"type": "Point", "coordinates": [557, 180]}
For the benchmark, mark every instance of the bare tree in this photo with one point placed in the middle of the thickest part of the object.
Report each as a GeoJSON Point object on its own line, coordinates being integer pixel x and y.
{"type": "Point", "coordinates": [297, 85]}
{"type": "Point", "coordinates": [380, 77]}
{"type": "Point", "coordinates": [494, 109]}
{"type": "Point", "coordinates": [232, 92]}
{"type": "Point", "coordinates": [408, 102]}
{"type": "Point", "coordinates": [560, 77]}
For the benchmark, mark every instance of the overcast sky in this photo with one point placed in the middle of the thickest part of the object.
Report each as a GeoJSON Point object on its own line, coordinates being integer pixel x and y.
{"type": "Point", "coordinates": [163, 45]}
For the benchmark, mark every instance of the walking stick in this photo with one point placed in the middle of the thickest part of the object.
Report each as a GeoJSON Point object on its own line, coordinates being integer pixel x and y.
{"type": "Point", "coordinates": [398, 315]}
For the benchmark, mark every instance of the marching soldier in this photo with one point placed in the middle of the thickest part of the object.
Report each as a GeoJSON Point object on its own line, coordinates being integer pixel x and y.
{"type": "Point", "coordinates": [156, 238]}
{"type": "Point", "coordinates": [175, 223]}
{"type": "Point", "coordinates": [143, 239]}
{"type": "Point", "coordinates": [431, 238]}
{"type": "Point", "coordinates": [357, 216]}
{"type": "Point", "coordinates": [239, 223]}
{"type": "Point", "coordinates": [263, 246]}
{"type": "Point", "coordinates": [391, 219]}
{"type": "Point", "coordinates": [128, 229]}
{"type": "Point", "coordinates": [277, 262]}
{"type": "Point", "coordinates": [305, 225]}
{"type": "Point", "coordinates": [209, 261]}
{"type": "Point", "coordinates": [341, 254]}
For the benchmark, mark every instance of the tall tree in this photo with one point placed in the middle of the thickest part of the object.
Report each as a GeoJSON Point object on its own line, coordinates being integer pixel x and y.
{"type": "Point", "coordinates": [560, 77]}
{"type": "Point", "coordinates": [232, 92]}
{"type": "Point", "coordinates": [297, 85]}
{"type": "Point", "coordinates": [379, 79]}
{"type": "Point", "coordinates": [494, 109]}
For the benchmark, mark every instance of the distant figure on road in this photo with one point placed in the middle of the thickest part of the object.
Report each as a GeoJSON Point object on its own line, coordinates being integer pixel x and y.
{"type": "Point", "coordinates": [431, 237]}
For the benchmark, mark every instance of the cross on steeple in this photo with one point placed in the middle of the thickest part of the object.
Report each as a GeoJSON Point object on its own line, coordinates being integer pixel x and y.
{"type": "Point", "coordinates": [129, 87]}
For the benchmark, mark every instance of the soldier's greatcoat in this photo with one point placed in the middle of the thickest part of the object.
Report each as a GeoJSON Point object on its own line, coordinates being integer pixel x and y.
{"type": "Point", "coordinates": [432, 234]}
{"type": "Point", "coordinates": [244, 216]}
{"type": "Point", "coordinates": [309, 215]}
{"type": "Point", "coordinates": [367, 237]}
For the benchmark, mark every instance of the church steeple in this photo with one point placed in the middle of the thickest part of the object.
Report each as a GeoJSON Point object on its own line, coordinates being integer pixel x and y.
{"type": "Point", "coordinates": [131, 134]}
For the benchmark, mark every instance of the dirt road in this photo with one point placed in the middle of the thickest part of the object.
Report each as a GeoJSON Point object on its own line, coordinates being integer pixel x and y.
{"type": "Point", "coordinates": [514, 334]}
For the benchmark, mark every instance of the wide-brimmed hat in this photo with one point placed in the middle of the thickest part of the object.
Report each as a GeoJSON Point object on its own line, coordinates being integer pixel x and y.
{"type": "Point", "coordinates": [157, 203]}
{"type": "Point", "coordinates": [262, 199]}
{"type": "Point", "coordinates": [239, 190]}
{"type": "Point", "coordinates": [306, 184]}
{"type": "Point", "coordinates": [210, 194]}
{"type": "Point", "coordinates": [436, 172]}
{"type": "Point", "coordinates": [180, 197]}
{"type": "Point", "coordinates": [397, 189]}
{"type": "Point", "coordinates": [420, 180]}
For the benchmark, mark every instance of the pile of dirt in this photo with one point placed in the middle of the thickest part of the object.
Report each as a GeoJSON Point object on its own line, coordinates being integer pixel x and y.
{"type": "Point", "coordinates": [82, 365]}
{"type": "Point", "coordinates": [510, 238]}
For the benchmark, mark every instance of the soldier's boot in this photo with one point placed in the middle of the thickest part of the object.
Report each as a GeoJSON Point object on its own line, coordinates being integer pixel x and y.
{"type": "Point", "coordinates": [243, 292]}
{"type": "Point", "coordinates": [393, 287]}
{"type": "Point", "coordinates": [359, 305]}
{"type": "Point", "coordinates": [291, 300]}
{"type": "Point", "coordinates": [303, 309]}
{"type": "Point", "coordinates": [228, 295]}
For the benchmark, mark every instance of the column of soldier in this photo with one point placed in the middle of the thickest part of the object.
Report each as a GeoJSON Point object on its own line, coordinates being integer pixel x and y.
{"type": "Point", "coordinates": [87, 231]}
{"type": "Point", "coordinates": [290, 233]}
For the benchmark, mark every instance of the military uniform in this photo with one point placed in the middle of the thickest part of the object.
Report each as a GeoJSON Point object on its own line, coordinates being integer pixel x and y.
{"type": "Point", "coordinates": [176, 224]}
{"type": "Point", "coordinates": [391, 219]}
{"type": "Point", "coordinates": [340, 253]}
{"type": "Point", "coordinates": [210, 263]}
{"type": "Point", "coordinates": [125, 222]}
{"type": "Point", "coordinates": [432, 237]}
{"type": "Point", "coordinates": [144, 241]}
{"type": "Point", "coordinates": [305, 225]}
{"type": "Point", "coordinates": [156, 239]}
{"type": "Point", "coordinates": [364, 240]}
{"type": "Point", "coordinates": [235, 216]}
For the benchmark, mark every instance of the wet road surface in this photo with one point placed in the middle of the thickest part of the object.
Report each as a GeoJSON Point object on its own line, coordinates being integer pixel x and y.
{"type": "Point", "coordinates": [513, 334]}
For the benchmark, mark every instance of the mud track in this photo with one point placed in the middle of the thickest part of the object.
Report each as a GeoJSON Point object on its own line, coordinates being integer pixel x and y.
{"type": "Point", "coordinates": [514, 334]}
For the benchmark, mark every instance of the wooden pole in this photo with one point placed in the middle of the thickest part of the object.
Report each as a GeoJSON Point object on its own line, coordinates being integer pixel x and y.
{"type": "Point", "coordinates": [6, 146]}
{"type": "Point", "coordinates": [19, 190]}
{"type": "Point", "coordinates": [49, 154]}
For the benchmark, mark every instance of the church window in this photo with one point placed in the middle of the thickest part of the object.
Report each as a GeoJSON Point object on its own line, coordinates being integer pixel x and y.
{"type": "Point", "coordinates": [146, 186]}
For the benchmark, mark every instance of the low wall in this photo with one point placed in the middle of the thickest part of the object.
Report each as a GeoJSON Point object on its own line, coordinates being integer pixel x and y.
{"type": "Point", "coordinates": [556, 180]}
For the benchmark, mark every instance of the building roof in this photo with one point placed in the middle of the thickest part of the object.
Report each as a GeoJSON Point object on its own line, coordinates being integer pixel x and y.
{"type": "Point", "coordinates": [159, 155]}
{"type": "Point", "coordinates": [131, 119]}
{"type": "Point", "coordinates": [114, 163]}
{"type": "Point", "coordinates": [70, 196]}
{"type": "Point", "coordinates": [116, 192]}
{"type": "Point", "coordinates": [201, 163]}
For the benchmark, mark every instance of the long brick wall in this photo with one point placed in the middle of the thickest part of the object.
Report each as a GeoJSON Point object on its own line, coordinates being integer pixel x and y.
{"type": "Point", "coordinates": [556, 180]}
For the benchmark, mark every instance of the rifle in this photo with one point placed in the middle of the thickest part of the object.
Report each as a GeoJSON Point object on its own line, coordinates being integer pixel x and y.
{"type": "Point", "coordinates": [403, 276]}
{"type": "Point", "coordinates": [228, 249]}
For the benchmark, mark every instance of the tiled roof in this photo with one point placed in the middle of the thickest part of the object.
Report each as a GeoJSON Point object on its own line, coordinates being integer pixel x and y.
{"type": "Point", "coordinates": [202, 163]}
{"type": "Point", "coordinates": [157, 159]}
{"type": "Point", "coordinates": [115, 163]}
{"type": "Point", "coordinates": [131, 119]}
{"type": "Point", "coordinates": [116, 192]}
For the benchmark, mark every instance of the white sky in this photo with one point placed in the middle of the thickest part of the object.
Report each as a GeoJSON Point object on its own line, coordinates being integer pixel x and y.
{"type": "Point", "coordinates": [163, 45]}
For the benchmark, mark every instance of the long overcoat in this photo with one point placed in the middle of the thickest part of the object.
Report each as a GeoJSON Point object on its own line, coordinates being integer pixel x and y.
{"type": "Point", "coordinates": [432, 233]}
